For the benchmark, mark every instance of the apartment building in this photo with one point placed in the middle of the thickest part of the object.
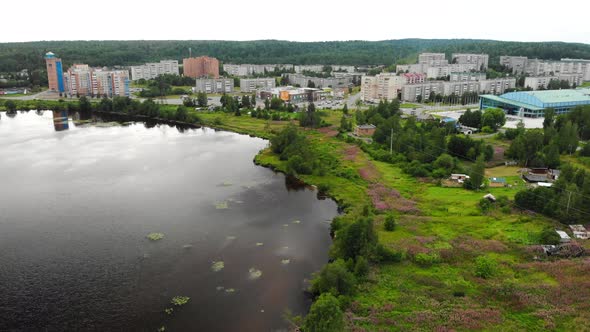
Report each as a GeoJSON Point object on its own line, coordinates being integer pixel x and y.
{"type": "Point", "coordinates": [152, 70]}
{"type": "Point", "coordinates": [381, 86]}
{"type": "Point", "coordinates": [54, 72]}
{"type": "Point", "coordinates": [253, 84]}
{"type": "Point", "coordinates": [479, 60]}
{"type": "Point", "coordinates": [411, 92]}
{"type": "Point", "coordinates": [467, 76]}
{"type": "Point", "coordinates": [516, 63]}
{"type": "Point", "coordinates": [242, 70]}
{"type": "Point", "coordinates": [539, 67]}
{"type": "Point", "coordinates": [412, 78]}
{"type": "Point", "coordinates": [412, 68]}
{"type": "Point", "coordinates": [538, 82]}
{"type": "Point", "coordinates": [330, 82]}
{"type": "Point", "coordinates": [214, 85]}
{"type": "Point", "coordinates": [432, 59]}
{"type": "Point", "coordinates": [442, 71]}
{"type": "Point", "coordinates": [202, 66]}
{"type": "Point", "coordinates": [82, 80]}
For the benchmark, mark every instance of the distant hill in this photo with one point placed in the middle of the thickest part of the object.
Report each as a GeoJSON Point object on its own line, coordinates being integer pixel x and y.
{"type": "Point", "coordinates": [18, 56]}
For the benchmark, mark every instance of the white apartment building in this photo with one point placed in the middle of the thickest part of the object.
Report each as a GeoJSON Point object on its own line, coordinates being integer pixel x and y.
{"type": "Point", "coordinates": [253, 84]}
{"type": "Point", "coordinates": [516, 63]}
{"type": "Point", "coordinates": [467, 76]}
{"type": "Point", "coordinates": [382, 86]}
{"type": "Point", "coordinates": [410, 92]}
{"type": "Point", "coordinates": [432, 59]}
{"type": "Point", "coordinates": [242, 70]}
{"type": "Point", "coordinates": [538, 67]}
{"type": "Point", "coordinates": [214, 85]}
{"type": "Point", "coordinates": [479, 60]}
{"type": "Point", "coordinates": [442, 71]}
{"type": "Point", "coordinates": [83, 80]}
{"type": "Point", "coordinates": [152, 70]}
{"type": "Point", "coordinates": [413, 68]}
{"type": "Point", "coordinates": [538, 82]}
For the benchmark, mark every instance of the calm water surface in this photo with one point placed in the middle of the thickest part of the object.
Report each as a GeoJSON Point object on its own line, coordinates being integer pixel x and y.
{"type": "Point", "coordinates": [76, 204]}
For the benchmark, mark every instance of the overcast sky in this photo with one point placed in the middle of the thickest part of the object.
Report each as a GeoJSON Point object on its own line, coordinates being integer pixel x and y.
{"type": "Point", "coordinates": [298, 20]}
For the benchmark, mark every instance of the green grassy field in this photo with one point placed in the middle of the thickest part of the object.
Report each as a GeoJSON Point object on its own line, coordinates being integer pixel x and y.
{"type": "Point", "coordinates": [408, 105]}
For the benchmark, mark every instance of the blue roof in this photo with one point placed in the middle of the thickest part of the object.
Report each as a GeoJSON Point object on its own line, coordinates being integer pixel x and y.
{"type": "Point", "coordinates": [550, 98]}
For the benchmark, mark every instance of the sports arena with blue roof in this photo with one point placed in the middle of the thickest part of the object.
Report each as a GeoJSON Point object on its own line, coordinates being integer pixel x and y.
{"type": "Point", "coordinates": [532, 104]}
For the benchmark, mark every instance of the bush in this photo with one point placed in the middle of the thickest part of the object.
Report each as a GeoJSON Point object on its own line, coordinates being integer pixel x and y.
{"type": "Point", "coordinates": [389, 224]}
{"type": "Point", "coordinates": [324, 315]}
{"type": "Point", "coordinates": [487, 130]}
{"type": "Point", "coordinates": [356, 239]}
{"type": "Point", "coordinates": [386, 255]}
{"type": "Point", "coordinates": [485, 205]}
{"type": "Point", "coordinates": [334, 278]}
{"type": "Point", "coordinates": [424, 259]}
{"type": "Point", "coordinates": [361, 267]}
{"type": "Point", "coordinates": [549, 236]}
{"type": "Point", "coordinates": [485, 267]}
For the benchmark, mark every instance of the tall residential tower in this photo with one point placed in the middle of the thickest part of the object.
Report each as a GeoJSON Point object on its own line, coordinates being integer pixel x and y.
{"type": "Point", "coordinates": [54, 72]}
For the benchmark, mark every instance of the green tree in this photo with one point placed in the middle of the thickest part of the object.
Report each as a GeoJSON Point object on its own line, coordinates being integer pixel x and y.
{"type": "Point", "coordinates": [181, 113]}
{"type": "Point", "coordinates": [246, 101]}
{"type": "Point", "coordinates": [10, 106]}
{"type": "Point", "coordinates": [552, 156]}
{"type": "Point", "coordinates": [476, 176]}
{"type": "Point", "coordinates": [202, 99]}
{"type": "Point", "coordinates": [85, 105]}
{"type": "Point", "coordinates": [345, 109]}
{"type": "Point", "coordinates": [485, 267]}
{"type": "Point", "coordinates": [389, 224]}
{"type": "Point", "coordinates": [310, 118]}
{"type": "Point", "coordinates": [324, 315]}
{"type": "Point", "coordinates": [493, 118]}
{"type": "Point", "coordinates": [334, 278]}
{"type": "Point", "coordinates": [568, 138]}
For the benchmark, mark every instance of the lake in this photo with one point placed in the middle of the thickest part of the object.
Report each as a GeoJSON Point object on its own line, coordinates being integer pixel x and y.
{"type": "Point", "coordinates": [79, 195]}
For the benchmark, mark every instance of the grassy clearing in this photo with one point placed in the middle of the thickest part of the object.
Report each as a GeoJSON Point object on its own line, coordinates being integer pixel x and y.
{"type": "Point", "coordinates": [408, 105]}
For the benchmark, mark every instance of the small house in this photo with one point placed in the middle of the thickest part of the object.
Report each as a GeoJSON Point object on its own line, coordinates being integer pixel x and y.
{"type": "Point", "coordinates": [497, 182]}
{"type": "Point", "coordinates": [580, 232]}
{"type": "Point", "coordinates": [564, 238]}
{"type": "Point", "coordinates": [364, 130]}
{"type": "Point", "coordinates": [490, 197]}
{"type": "Point", "coordinates": [459, 177]}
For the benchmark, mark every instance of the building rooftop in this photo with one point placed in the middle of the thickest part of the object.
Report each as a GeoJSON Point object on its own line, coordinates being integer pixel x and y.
{"type": "Point", "coordinates": [366, 126]}
{"type": "Point", "coordinates": [498, 180]}
{"type": "Point", "coordinates": [538, 100]}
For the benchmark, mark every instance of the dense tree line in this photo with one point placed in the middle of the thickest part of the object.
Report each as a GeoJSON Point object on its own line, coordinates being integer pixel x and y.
{"type": "Point", "coordinates": [428, 148]}
{"type": "Point", "coordinates": [560, 135]}
{"type": "Point", "coordinates": [568, 199]}
{"type": "Point", "coordinates": [489, 120]}
{"type": "Point", "coordinates": [17, 56]}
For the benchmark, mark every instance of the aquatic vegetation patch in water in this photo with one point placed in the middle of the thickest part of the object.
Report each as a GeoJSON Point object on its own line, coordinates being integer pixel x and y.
{"type": "Point", "coordinates": [230, 290]}
{"type": "Point", "coordinates": [231, 237]}
{"type": "Point", "coordinates": [226, 184]}
{"type": "Point", "coordinates": [285, 261]}
{"type": "Point", "coordinates": [217, 266]}
{"type": "Point", "coordinates": [259, 244]}
{"type": "Point", "coordinates": [187, 246]}
{"type": "Point", "coordinates": [155, 236]}
{"type": "Point", "coordinates": [297, 221]}
{"type": "Point", "coordinates": [169, 311]}
{"type": "Point", "coordinates": [254, 273]}
{"type": "Point", "coordinates": [221, 205]}
{"type": "Point", "coordinates": [180, 300]}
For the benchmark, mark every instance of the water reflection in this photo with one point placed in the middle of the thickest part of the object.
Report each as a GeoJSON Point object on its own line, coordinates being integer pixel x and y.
{"type": "Point", "coordinates": [60, 120]}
